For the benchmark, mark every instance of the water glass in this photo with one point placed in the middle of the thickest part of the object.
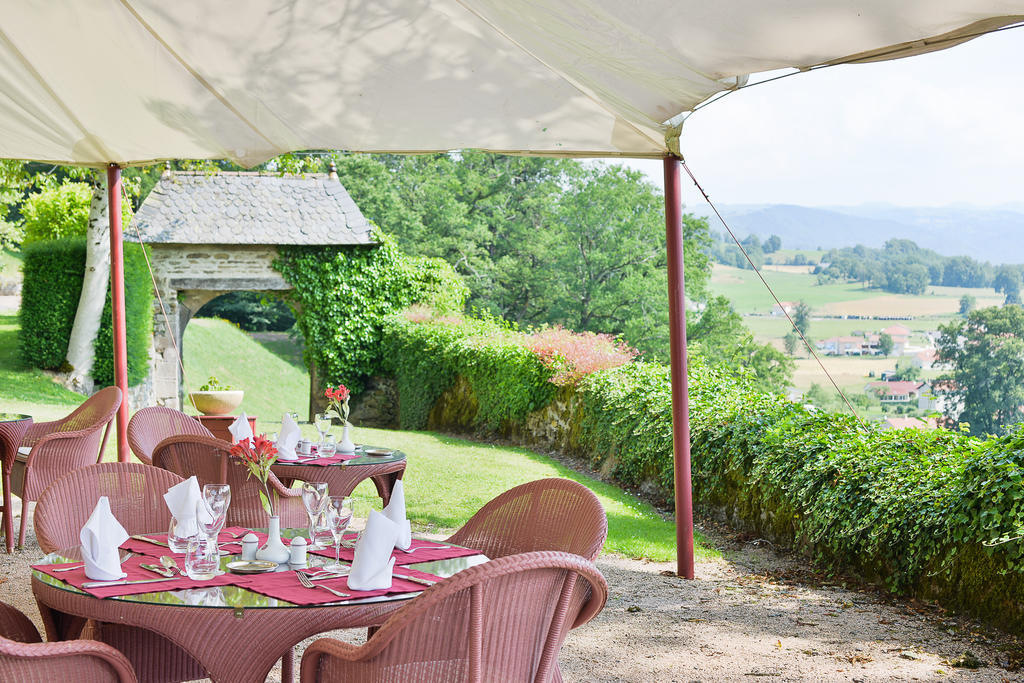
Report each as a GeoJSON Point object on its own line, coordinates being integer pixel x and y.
{"type": "Point", "coordinates": [201, 560]}
{"type": "Point", "coordinates": [314, 498]}
{"type": "Point", "coordinates": [177, 539]}
{"type": "Point", "coordinates": [322, 422]}
{"type": "Point", "coordinates": [339, 515]}
{"type": "Point", "coordinates": [212, 511]}
{"type": "Point", "coordinates": [328, 446]}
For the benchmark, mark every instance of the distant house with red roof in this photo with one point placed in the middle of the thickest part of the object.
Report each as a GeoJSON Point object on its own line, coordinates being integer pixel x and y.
{"type": "Point", "coordinates": [924, 359]}
{"type": "Point", "coordinates": [843, 346]}
{"type": "Point", "coordinates": [899, 392]}
{"type": "Point", "coordinates": [784, 307]}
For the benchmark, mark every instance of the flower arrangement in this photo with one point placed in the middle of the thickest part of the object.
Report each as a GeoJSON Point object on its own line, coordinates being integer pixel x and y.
{"type": "Point", "coordinates": [259, 456]}
{"type": "Point", "coordinates": [339, 402]}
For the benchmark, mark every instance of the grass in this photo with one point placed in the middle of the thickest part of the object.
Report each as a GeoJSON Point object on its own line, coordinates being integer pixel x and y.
{"type": "Point", "coordinates": [447, 480]}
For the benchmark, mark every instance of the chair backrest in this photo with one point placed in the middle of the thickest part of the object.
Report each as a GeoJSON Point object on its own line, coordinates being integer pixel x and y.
{"type": "Point", "coordinates": [209, 459]}
{"type": "Point", "coordinates": [502, 620]}
{"type": "Point", "coordinates": [149, 426]}
{"type": "Point", "coordinates": [82, 661]}
{"type": "Point", "coordinates": [16, 626]}
{"type": "Point", "coordinates": [135, 492]}
{"type": "Point", "coordinates": [547, 514]}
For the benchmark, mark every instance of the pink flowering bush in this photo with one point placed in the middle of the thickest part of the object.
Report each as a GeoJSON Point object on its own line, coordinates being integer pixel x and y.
{"type": "Point", "coordinates": [572, 356]}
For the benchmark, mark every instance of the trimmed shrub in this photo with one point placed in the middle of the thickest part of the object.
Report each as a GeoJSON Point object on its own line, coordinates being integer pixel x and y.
{"type": "Point", "coordinates": [53, 272]}
{"type": "Point", "coordinates": [56, 213]}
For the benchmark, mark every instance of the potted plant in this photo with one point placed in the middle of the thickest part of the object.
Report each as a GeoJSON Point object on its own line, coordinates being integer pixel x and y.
{"type": "Point", "coordinates": [214, 398]}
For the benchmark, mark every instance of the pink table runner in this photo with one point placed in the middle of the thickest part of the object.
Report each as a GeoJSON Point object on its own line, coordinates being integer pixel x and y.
{"type": "Point", "coordinates": [432, 550]}
{"type": "Point", "coordinates": [286, 586]}
{"type": "Point", "coordinates": [76, 577]}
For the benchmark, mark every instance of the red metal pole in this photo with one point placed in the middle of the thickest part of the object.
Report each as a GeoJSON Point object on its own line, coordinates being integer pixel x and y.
{"type": "Point", "coordinates": [117, 306]}
{"type": "Point", "coordinates": [680, 391]}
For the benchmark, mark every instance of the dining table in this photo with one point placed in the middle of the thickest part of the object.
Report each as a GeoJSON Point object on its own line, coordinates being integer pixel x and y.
{"type": "Point", "coordinates": [12, 430]}
{"type": "Point", "coordinates": [234, 630]}
{"type": "Point", "coordinates": [344, 472]}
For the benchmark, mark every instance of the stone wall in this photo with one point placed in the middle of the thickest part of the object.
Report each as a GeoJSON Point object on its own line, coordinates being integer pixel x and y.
{"type": "Point", "coordinates": [188, 276]}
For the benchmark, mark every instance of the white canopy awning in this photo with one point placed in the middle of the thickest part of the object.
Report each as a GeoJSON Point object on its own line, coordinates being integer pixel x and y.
{"type": "Point", "coordinates": [134, 81]}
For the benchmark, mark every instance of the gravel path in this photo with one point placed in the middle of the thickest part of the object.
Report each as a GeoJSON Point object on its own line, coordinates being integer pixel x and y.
{"type": "Point", "coordinates": [753, 616]}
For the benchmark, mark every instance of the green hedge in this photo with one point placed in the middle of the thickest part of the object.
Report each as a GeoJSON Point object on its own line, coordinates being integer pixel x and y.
{"type": "Point", "coordinates": [901, 507]}
{"type": "Point", "coordinates": [53, 272]}
{"type": "Point", "coordinates": [342, 295]}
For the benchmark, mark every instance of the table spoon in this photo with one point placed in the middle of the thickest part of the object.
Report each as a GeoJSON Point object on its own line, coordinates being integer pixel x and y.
{"type": "Point", "coordinates": [169, 564]}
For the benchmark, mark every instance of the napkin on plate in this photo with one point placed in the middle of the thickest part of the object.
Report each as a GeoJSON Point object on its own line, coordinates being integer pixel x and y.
{"type": "Point", "coordinates": [288, 439]}
{"type": "Point", "coordinates": [372, 564]}
{"type": "Point", "coordinates": [182, 500]}
{"type": "Point", "coordinates": [101, 536]}
{"type": "Point", "coordinates": [240, 428]}
{"type": "Point", "coordinates": [395, 511]}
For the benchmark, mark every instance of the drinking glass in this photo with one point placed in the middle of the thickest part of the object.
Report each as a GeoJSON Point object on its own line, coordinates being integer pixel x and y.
{"type": "Point", "coordinates": [177, 540]}
{"type": "Point", "coordinates": [322, 422]}
{"type": "Point", "coordinates": [339, 515]}
{"type": "Point", "coordinates": [217, 498]}
{"type": "Point", "coordinates": [328, 446]}
{"type": "Point", "coordinates": [201, 563]}
{"type": "Point", "coordinates": [314, 497]}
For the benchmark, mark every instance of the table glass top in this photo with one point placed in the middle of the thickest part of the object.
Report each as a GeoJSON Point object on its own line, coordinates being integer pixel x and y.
{"type": "Point", "coordinates": [362, 453]}
{"type": "Point", "coordinates": [234, 597]}
{"type": "Point", "coordinates": [13, 417]}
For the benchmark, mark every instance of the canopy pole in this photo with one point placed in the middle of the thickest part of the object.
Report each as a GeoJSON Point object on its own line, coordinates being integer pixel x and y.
{"type": "Point", "coordinates": [117, 306]}
{"type": "Point", "coordinates": [680, 383]}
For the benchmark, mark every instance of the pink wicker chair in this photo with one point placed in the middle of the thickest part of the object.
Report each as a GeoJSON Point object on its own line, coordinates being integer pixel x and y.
{"type": "Point", "coordinates": [135, 492]}
{"type": "Point", "coordinates": [149, 426]}
{"type": "Point", "coordinates": [24, 658]}
{"type": "Point", "coordinates": [210, 460]}
{"type": "Point", "coordinates": [57, 448]}
{"type": "Point", "coordinates": [504, 620]}
{"type": "Point", "coordinates": [547, 514]}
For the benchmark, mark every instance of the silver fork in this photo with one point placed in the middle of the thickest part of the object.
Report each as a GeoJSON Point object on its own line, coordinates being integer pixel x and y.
{"type": "Point", "coordinates": [425, 547]}
{"type": "Point", "coordinates": [82, 564]}
{"type": "Point", "coordinates": [305, 581]}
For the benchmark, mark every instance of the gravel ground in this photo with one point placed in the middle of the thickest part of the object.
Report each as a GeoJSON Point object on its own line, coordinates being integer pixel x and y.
{"type": "Point", "coordinates": [755, 615]}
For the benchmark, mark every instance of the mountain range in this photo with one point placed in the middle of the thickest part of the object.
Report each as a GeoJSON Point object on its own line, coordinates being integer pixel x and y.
{"type": "Point", "coordinates": [994, 234]}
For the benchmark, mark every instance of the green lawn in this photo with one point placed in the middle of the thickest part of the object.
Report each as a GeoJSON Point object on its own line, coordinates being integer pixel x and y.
{"type": "Point", "coordinates": [744, 289]}
{"type": "Point", "coordinates": [447, 480]}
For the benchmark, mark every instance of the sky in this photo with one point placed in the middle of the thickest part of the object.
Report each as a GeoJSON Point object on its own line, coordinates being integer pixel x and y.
{"type": "Point", "coordinates": [932, 130]}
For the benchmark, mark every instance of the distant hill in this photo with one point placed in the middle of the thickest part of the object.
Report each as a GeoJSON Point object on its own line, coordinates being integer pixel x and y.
{"type": "Point", "coordinates": [988, 234]}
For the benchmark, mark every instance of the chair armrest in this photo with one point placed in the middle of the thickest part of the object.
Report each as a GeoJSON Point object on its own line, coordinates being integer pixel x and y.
{"type": "Point", "coordinates": [53, 437]}
{"type": "Point", "coordinates": [328, 647]}
{"type": "Point", "coordinates": [38, 430]}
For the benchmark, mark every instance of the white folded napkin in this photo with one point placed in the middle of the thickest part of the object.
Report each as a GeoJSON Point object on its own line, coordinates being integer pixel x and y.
{"type": "Point", "coordinates": [288, 438]}
{"type": "Point", "coordinates": [395, 511]}
{"type": "Point", "coordinates": [101, 536]}
{"type": "Point", "coordinates": [182, 500]}
{"type": "Point", "coordinates": [372, 564]}
{"type": "Point", "coordinates": [240, 428]}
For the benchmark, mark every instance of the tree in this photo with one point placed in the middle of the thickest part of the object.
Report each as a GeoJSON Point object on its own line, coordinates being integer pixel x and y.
{"type": "Point", "coordinates": [59, 211]}
{"type": "Point", "coordinates": [967, 304]}
{"type": "Point", "coordinates": [885, 344]}
{"type": "Point", "coordinates": [1007, 278]}
{"type": "Point", "coordinates": [772, 244]}
{"type": "Point", "coordinates": [820, 396]}
{"type": "Point", "coordinates": [802, 318]}
{"type": "Point", "coordinates": [906, 371]}
{"type": "Point", "coordinates": [986, 354]}
{"type": "Point", "coordinates": [789, 343]}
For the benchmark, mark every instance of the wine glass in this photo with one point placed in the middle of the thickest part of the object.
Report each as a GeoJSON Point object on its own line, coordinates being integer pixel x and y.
{"type": "Point", "coordinates": [314, 497]}
{"type": "Point", "coordinates": [322, 422]}
{"type": "Point", "coordinates": [339, 515]}
{"type": "Point", "coordinates": [217, 499]}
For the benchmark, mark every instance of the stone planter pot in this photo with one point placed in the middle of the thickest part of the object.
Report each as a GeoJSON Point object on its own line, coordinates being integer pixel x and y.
{"type": "Point", "coordinates": [216, 402]}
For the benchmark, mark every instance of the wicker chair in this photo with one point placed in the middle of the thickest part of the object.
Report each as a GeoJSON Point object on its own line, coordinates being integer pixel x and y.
{"type": "Point", "coordinates": [502, 620]}
{"type": "Point", "coordinates": [210, 461]}
{"type": "Point", "coordinates": [135, 492]}
{"type": "Point", "coordinates": [547, 514]}
{"type": "Point", "coordinates": [57, 448]}
{"type": "Point", "coordinates": [149, 426]}
{"type": "Point", "coordinates": [23, 657]}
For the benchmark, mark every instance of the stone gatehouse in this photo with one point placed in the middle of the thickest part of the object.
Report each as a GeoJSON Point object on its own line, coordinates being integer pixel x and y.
{"type": "Point", "coordinates": [210, 234]}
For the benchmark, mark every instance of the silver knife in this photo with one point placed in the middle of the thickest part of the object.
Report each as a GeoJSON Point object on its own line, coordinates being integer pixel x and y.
{"type": "Point", "coordinates": [416, 579]}
{"type": "Point", "coordinates": [147, 539]}
{"type": "Point", "coordinates": [122, 582]}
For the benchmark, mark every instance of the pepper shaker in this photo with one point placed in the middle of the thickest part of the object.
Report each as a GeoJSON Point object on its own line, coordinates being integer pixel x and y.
{"type": "Point", "coordinates": [249, 544]}
{"type": "Point", "coordinates": [298, 552]}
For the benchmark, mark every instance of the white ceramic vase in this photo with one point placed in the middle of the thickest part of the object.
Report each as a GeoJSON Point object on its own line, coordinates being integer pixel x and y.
{"type": "Point", "coordinates": [346, 447]}
{"type": "Point", "coordinates": [274, 550]}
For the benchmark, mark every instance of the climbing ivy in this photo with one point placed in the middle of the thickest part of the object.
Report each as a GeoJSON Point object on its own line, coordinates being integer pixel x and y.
{"type": "Point", "coordinates": [341, 296]}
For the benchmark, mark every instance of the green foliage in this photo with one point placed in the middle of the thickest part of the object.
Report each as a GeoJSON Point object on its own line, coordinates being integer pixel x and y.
{"type": "Point", "coordinates": [885, 344]}
{"type": "Point", "coordinates": [56, 212]}
{"type": "Point", "coordinates": [343, 294]}
{"type": "Point", "coordinates": [507, 378]}
{"type": "Point", "coordinates": [213, 384]}
{"type": "Point", "coordinates": [252, 311]}
{"type": "Point", "coordinates": [986, 354]}
{"type": "Point", "coordinates": [138, 313]}
{"type": "Point", "coordinates": [53, 273]}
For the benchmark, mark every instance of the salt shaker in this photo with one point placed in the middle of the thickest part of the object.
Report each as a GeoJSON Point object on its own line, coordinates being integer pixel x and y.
{"type": "Point", "coordinates": [298, 552]}
{"type": "Point", "coordinates": [249, 544]}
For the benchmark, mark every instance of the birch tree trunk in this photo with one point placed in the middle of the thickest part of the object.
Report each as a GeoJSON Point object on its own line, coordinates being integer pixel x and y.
{"type": "Point", "coordinates": [94, 290]}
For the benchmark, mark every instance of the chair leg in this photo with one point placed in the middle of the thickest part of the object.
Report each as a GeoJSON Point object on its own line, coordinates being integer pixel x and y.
{"type": "Point", "coordinates": [288, 666]}
{"type": "Point", "coordinates": [8, 518]}
{"type": "Point", "coordinates": [24, 517]}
